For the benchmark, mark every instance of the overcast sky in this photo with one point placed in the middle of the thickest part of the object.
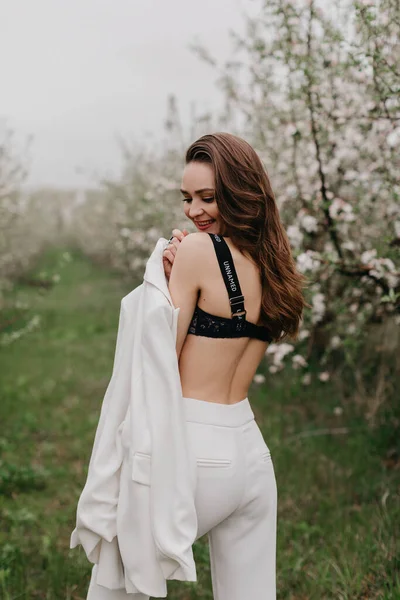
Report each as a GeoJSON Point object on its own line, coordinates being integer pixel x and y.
{"type": "Point", "coordinates": [75, 73]}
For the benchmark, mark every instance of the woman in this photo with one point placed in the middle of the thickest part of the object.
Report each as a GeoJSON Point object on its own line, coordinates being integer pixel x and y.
{"type": "Point", "coordinates": [238, 289]}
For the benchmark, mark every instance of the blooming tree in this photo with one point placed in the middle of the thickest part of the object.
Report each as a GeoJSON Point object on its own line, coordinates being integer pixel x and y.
{"type": "Point", "coordinates": [315, 89]}
{"type": "Point", "coordinates": [28, 221]}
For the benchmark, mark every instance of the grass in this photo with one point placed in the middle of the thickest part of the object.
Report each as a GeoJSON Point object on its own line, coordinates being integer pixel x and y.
{"type": "Point", "coordinates": [338, 494]}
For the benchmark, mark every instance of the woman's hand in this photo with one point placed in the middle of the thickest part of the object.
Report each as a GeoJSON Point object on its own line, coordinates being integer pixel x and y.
{"type": "Point", "coordinates": [171, 249]}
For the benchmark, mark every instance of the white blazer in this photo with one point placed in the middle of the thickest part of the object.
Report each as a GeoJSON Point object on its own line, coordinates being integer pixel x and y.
{"type": "Point", "coordinates": [136, 515]}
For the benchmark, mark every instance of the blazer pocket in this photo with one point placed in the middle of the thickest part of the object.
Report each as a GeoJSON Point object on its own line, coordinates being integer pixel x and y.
{"type": "Point", "coordinates": [141, 468]}
{"type": "Point", "coordinates": [214, 462]}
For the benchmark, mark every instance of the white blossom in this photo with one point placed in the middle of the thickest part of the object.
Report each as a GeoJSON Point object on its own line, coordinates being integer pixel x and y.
{"type": "Point", "coordinates": [259, 378]}
{"type": "Point", "coordinates": [125, 232]}
{"type": "Point", "coordinates": [308, 261]}
{"type": "Point", "coordinates": [393, 280]}
{"type": "Point", "coordinates": [279, 351]}
{"type": "Point", "coordinates": [318, 307]}
{"type": "Point", "coordinates": [349, 245]}
{"type": "Point", "coordinates": [341, 210]}
{"type": "Point", "coordinates": [335, 341]}
{"type": "Point", "coordinates": [298, 361]}
{"type": "Point", "coordinates": [368, 255]}
{"type": "Point", "coordinates": [393, 139]}
{"type": "Point", "coordinates": [295, 236]}
{"type": "Point", "coordinates": [324, 376]}
{"type": "Point", "coordinates": [303, 334]}
{"type": "Point", "coordinates": [309, 223]}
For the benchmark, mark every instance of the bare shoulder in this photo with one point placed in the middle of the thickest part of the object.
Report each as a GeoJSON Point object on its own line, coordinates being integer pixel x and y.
{"type": "Point", "coordinates": [189, 263]}
{"type": "Point", "coordinates": [194, 244]}
{"type": "Point", "coordinates": [193, 256]}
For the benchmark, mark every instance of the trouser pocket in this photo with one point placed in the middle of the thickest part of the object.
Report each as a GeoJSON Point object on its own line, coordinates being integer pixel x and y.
{"type": "Point", "coordinates": [214, 449]}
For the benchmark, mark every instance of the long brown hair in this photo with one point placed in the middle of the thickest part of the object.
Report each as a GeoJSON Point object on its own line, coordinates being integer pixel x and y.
{"type": "Point", "coordinates": [250, 217]}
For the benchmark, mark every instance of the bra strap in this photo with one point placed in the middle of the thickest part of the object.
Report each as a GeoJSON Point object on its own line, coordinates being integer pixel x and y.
{"type": "Point", "coordinates": [229, 275]}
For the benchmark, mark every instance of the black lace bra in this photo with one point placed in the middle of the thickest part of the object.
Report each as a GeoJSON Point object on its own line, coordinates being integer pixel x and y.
{"type": "Point", "coordinates": [207, 325]}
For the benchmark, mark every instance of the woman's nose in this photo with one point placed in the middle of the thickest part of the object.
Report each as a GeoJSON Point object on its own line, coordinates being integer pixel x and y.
{"type": "Point", "coordinates": [195, 211]}
{"type": "Point", "coordinates": [195, 214]}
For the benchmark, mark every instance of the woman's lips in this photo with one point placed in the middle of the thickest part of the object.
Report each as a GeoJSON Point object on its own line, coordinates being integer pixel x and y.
{"type": "Point", "coordinates": [206, 225]}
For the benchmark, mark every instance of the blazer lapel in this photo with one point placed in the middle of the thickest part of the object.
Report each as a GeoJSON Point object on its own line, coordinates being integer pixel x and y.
{"type": "Point", "coordinates": [154, 272]}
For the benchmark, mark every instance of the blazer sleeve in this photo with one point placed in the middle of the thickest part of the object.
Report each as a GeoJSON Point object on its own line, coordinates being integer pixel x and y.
{"type": "Point", "coordinates": [97, 505]}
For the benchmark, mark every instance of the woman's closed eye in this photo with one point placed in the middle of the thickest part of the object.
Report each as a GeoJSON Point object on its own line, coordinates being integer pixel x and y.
{"type": "Point", "coordinates": [205, 199]}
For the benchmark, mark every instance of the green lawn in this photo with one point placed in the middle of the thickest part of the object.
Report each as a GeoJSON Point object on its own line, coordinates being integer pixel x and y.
{"type": "Point", "coordinates": [338, 494]}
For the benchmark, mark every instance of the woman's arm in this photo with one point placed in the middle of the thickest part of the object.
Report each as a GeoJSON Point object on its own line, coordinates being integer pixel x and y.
{"type": "Point", "coordinates": [184, 284]}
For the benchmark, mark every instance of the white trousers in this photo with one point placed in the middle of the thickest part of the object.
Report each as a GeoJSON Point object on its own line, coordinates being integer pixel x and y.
{"type": "Point", "coordinates": [236, 502]}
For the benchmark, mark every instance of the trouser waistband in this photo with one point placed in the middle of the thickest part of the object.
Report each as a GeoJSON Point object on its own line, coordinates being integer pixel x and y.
{"type": "Point", "coordinates": [213, 413]}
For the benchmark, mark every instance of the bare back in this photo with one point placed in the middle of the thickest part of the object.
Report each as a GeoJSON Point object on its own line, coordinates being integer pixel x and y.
{"type": "Point", "coordinates": [221, 370]}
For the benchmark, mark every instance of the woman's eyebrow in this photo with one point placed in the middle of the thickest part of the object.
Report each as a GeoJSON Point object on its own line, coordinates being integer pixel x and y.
{"type": "Point", "coordinates": [198, 191]}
